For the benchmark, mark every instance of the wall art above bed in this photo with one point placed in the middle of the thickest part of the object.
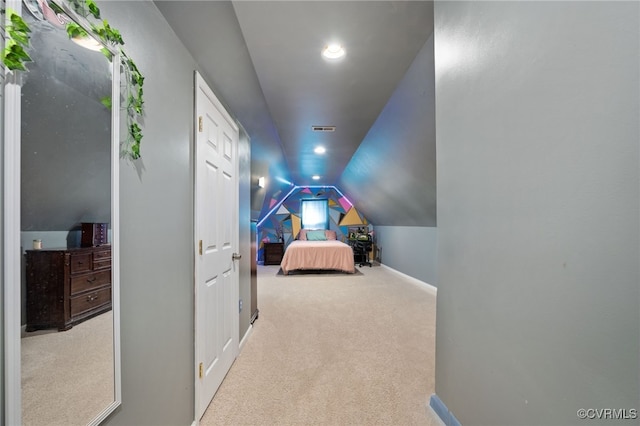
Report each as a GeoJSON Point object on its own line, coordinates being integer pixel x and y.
{"type": "Point", "coordinates": [286, 222]}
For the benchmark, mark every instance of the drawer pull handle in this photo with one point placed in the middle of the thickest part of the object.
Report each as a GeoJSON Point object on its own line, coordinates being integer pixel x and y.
{"type": "Point", "coordinates": [92, 297]}
{"type": "Point", "coordinates": [79, 262]}
{"type": "Point", "coordinates": [92, 279]}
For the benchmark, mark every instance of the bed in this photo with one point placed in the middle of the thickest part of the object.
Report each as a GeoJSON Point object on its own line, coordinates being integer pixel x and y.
{"type": "Point", "coordinates": [317, 254]}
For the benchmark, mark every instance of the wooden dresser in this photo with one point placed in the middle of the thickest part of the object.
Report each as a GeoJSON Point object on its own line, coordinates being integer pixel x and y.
{"type": "Point", "coordinates": [273, 253]}
{"type": "Point", "coordinates": [67, 286]}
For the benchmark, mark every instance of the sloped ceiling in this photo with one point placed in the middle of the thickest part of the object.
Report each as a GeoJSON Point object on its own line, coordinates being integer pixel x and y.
{"type": "Point", "coordinates": [392, 175]}
{"type": "Point", "coordinates": [263, 59]}
{"type": "Point", "coordinates": [302, 89]}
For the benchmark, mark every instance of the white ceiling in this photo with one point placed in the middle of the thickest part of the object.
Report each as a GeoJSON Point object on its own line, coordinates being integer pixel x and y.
{"type": "Point", "coordinates": [287, 86]}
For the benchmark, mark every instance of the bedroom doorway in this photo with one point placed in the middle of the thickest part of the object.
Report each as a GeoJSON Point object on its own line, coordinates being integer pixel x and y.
{"type": "Point", "coordinates": [216, 244]}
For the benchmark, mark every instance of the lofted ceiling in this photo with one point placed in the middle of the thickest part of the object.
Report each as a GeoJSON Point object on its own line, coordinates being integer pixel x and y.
{"type": "Point", "coordinates": [287, 87]}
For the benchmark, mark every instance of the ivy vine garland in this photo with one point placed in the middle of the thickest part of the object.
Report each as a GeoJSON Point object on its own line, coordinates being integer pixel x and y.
{"type": "Point", "coordinates": [14, 57]}
{"type": "Point", "coordinates": [14, 54]}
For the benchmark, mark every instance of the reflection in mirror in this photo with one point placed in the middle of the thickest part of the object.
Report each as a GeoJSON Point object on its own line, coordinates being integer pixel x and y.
{"type": "Point", "coordinates": [67, 347]}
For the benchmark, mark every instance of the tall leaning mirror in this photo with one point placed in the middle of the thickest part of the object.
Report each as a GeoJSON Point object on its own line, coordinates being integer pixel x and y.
{"type": "Point", "coordinates": [61, 279]}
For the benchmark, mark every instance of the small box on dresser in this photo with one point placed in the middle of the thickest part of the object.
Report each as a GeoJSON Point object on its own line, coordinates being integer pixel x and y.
{"type": "Point", "coordinates": [67, 286]}
{"type": "Point", "coordinates": [94, 234]}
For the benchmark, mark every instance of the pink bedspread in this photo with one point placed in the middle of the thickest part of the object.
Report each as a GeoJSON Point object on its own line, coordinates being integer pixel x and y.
{"type": "Point", "coordinates": [330, 254]}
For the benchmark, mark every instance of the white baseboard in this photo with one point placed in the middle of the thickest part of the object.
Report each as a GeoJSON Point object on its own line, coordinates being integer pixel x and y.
{"type": "Point", "coordinates": [245, 338]}
{"type": "Point", "coordinates": [424, 285]}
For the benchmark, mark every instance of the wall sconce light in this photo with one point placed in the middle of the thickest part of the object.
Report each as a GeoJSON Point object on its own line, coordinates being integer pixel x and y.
{"type": "Point", "coordinates": [261, 181]}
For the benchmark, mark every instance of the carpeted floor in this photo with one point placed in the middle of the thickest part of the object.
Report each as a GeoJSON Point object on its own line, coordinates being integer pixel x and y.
{"type": "Point", "coordinates": [67, 376]}
{"type": "Point", "coordinates": [334, 349]}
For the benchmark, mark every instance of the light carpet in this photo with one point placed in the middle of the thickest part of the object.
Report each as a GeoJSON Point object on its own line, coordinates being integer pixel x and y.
{"type": "Point", "coordinates": [67, 376]}
{"type": "Point", "coordinates": [334, 350]}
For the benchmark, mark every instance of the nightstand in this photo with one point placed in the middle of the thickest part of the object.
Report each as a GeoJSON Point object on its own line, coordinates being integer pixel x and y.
{"type": "Point", "coordinates": [273, 253]}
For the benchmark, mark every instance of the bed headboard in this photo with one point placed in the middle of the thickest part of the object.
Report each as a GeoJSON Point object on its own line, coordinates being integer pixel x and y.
{"type": "Point", "coordinates": [329, 234]}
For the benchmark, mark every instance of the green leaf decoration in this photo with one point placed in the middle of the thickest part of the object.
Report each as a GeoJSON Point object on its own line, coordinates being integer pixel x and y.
{"type": "Point", "coordinates": [17, 42]}
{"type": "Point", "coordinates": [135, 132]}
{"type": "Point", "coordinates": [16, 51]}
{"type": "Point", "coordinates": [107, 33]}
{"type": "Point", "coordinates": [93, 8]}
{"type": "Point", "coordinates": [107, 53]}
{"type": "Point", "coordinates": [11, 61]}
{"type": "Point", "coordinates": [134, 103]}
{"type": "Point", "coordinates": [106, 101]}
{"type": "Point", "coordinates": [18, 24]}
{"type": "Point", "coordinates": [14, 54]}
{"type": "Point", "coordinates": [20, 38]}
{"type": "Point", "coordinates": [76, 31]}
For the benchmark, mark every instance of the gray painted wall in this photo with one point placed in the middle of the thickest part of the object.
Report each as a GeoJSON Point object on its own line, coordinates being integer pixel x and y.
{"type": "Point", "coordinates": [411, 250]}
{"type": "Point", "coordinates": [157, 260]}
{"type": "Point", "coordinates": [392, 176]}
{"type": "Point", "coordinates": [156, 214]}
{"type": "Point", "coordinates": [538, 205]}
{"type": "Point", "coordinates": [157, 228]}
{"type": "Point", "coordinates": [236, 82]}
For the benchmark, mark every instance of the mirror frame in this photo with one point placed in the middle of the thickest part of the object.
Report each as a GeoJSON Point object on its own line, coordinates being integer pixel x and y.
{"type": "Point", "coordinates": [11, 227]}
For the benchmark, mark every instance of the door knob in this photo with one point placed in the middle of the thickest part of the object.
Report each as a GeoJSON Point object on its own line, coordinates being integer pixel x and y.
{"type": "Point", "coordinates": [236, 256]}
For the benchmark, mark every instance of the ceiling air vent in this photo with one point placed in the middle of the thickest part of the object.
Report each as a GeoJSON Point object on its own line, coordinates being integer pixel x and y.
{"type": "Point", "coordinates": [323, 128]}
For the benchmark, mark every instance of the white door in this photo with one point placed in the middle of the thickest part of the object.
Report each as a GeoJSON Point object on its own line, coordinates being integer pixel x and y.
{"type": "Point", "coordinates": [216, 237]}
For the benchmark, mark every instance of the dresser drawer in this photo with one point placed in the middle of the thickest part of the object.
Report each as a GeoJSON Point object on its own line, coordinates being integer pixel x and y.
{"type": "Point", "coordinates": [80, 262]}
{"type": "Point", "coordinates": [101, 255]}
{"type": "Point", "coordinates": [102, 264]}
{"type": "Point", "coordinates": [86, 282]}
{"type": "Point", "coordinates": [89, 301]}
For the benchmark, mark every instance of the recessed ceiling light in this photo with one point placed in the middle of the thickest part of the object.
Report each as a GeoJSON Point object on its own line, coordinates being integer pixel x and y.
{"type": "Point", "coordinates": [333, 51]}
{"type": "Point", "coordinates": [315, 177]}
{"type": "Point", "coordinates": [88, 42]}
{"type": "Point", "coordinates": [320, 150]}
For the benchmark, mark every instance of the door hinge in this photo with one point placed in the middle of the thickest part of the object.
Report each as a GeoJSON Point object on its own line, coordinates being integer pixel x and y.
{"type": "Point", "coordinates": [200, 247]}
{"type": "Point", "coordinates": [201, 370]}
{"type": "Point", "coordinates": [200, 124]}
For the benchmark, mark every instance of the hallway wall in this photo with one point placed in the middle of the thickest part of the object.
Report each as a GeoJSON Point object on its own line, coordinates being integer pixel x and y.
{"type": "Point", "coordinates": [411, 250]}
{"type": "Point", "coordinates": [156, 202]}
{"type": "Point", "coordinates": [157, 261]}
{"type": "Point", "coordinates": [538, 205]}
